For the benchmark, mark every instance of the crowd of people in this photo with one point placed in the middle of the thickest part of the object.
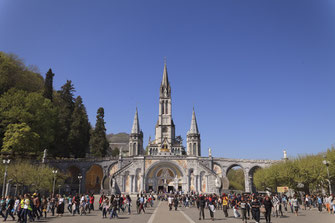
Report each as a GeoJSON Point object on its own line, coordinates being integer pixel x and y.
{"type": "Point", "coordinates": [250, 206]}
{"type": "Point", "coordinates": [244, 206]}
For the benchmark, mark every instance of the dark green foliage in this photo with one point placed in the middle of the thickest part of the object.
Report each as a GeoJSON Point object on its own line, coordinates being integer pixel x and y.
{"type": "Point", "coordinates": [309, 171]}
{"type": "Point", "coordinates": [48, 85]}
{"type": "Point", "coordinates": [36, 112]}
{"type": "Point", "coordinates": [79, 135]}
{"type": "Point", "coordinates": [98, 140]}
{"type": "Point", "coordinates": [115, 152]}
{"type": "Point", "coordinates": [14, 74]}
{"type": "Point", "coordinates": [65, 104]}
{"type": "Point", "coordinates": [236, 179]}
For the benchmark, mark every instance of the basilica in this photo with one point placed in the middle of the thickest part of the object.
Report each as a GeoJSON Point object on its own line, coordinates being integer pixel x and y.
{"type": "Point", "coordinates": [166, 165]}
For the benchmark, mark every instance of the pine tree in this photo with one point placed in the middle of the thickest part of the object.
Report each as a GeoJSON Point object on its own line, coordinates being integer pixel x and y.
{"type": "Point", "coordinates": [98, 140]}
{"type": "Point", "coordinates": [48, 85]}
{"type": "Point", "coordinates": [79, 135]}
{"type": "Point", "coordinates": [65, 110]}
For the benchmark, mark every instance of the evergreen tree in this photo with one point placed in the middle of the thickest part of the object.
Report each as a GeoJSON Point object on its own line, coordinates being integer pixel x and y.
{"type": "Point", "coordinates": [98, 140]}
{"type": "Point", "coordinates": [48, 82]}
{"type": "Point", "coordinates": [79, 135]}
{"type": "Point", "coordinates": [65, 104]}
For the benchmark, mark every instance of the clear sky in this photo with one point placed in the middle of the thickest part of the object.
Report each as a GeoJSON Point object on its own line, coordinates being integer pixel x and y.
{"type": "Point", "coordinates": [260, 74]}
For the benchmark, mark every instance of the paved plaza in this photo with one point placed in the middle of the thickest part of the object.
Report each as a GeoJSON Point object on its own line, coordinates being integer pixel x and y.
{"type": "Point", "coordinates": [159, 213]}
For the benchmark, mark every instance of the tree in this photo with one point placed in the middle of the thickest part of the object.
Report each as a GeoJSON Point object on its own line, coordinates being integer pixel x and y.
{"type": "Point", "coordinates": [18, 106]}
{"type": "Point", "coordinates": [20, 139]}
{"type": "Point", "coordinates": [14, 74]}
{"type": "Point", "coordinates": [79, 135]}
{"type": "Point", "coordinates": [48, 85]}
{"type": "Point", "coordinates": [115, 152]}
{"type": "Point", "coordinates": [236, 179]}
{"type": "Point", "coordinates": [65, 103]}
{"type": "Point", "coordinates": [98, 140]}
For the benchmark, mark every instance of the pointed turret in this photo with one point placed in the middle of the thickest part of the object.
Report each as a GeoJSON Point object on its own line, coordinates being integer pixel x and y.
{"type": "Point", "coordinates": [194, 125]}
{"type": "Point", "coordinates": [193, 138]}
{"type": "Point", "coordinates": [136, 138]}
{"type": "Point", "coordinates": [136, 124]}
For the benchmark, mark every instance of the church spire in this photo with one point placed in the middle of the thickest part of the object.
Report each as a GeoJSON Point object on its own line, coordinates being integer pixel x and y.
{"type": "Point", "coordinates": [165, 79]}
{"type": "Point", "coordinates": [136, 124]}
{"type": "Point", "coordinates": [194, 125]}
{"type": "Point", "coordinates": [165, 91]}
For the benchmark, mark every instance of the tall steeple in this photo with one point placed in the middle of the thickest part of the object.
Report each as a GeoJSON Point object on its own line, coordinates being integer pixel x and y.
{"type": "Point", "coordinates": [193, 138]}
{"type": "Point", "coordinates": [136, 138]}
{"type": "Point", "coordinates": [194, 125]}
{"type": "Point", "coordinates": [165, 129]}
{"type": "Point", "coordinates": [136, 124]}
{"type": "Point", "coordinates": [165, 89]}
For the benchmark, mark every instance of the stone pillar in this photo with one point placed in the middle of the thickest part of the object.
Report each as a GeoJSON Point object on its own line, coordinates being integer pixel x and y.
{"type": "Point", "coordinates": [142, 183]}
{"type": "Point", "coordinates": [196, 183]}
{"type": "Point", "coordinates": [187, 184]}
{"type": "Point", "coordinates": [207, 189]}
{"type": "Point", "coordinates": [132, 185]}
{"type": "Point", "coordinates": [247, 182]}
{"type": "Point", "coordinates": [199, 180]}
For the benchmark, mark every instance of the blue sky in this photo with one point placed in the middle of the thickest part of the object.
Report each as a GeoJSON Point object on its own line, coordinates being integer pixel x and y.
{"type": "Point", "coordinates": [260, 74]}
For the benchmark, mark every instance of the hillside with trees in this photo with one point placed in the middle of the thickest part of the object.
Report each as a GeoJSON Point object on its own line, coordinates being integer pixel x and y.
{"type": "Point", "coordinates": [34, 116]}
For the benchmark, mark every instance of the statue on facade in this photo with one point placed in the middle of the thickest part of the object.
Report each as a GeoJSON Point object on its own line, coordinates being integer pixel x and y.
{"type": "Point", "coordinates": [209, 152]}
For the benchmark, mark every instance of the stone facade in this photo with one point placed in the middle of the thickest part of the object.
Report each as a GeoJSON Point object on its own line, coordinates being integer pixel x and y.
{"type": "Point", "coordinates": [167, 167]}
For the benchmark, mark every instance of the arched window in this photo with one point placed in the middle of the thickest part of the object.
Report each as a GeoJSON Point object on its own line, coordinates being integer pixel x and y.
{"type": "Point", "coordinates": [194, 149]}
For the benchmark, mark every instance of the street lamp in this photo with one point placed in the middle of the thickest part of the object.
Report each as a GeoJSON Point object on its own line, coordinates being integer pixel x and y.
{"type": "Point", "coordinates": [79, 178]}
{"type": "Point", "coordinates": [53, 185]}
{"type": "Point", "coordinates": [6, 162]}
{"type": "Point", "coordinates": [326, 162]}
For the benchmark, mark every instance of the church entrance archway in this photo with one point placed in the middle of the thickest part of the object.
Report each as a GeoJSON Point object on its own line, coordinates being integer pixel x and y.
{"type": "Point", "coordinates": [164, 177]}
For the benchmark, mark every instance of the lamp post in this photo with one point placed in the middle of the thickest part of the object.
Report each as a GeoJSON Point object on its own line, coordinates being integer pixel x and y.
{"type": "Point", "coordinates": [6, 162]}
{"type": "Point", "coordinates": [79, 178]}
{"type": "Point", "coordinates": [53, 185]}
{"type": "Point", "coordinates": [326, 162]}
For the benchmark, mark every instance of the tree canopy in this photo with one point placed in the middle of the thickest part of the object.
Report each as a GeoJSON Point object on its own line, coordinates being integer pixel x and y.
{"type": "Point", "coordinates": [34, 117]}
{"type": "Point", "coordinates": [307, 173]}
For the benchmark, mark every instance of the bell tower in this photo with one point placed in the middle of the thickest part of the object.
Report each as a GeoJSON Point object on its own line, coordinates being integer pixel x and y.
{"type": "Point", "coordinates": [165, 128]}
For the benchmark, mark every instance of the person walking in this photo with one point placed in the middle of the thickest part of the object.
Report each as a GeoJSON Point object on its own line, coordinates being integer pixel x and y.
{"type": "Point", "coordinates": [170, 201]}
{"type": "Point", "coordinates": [225, 205]}
{"type": "Point", "coordinates": [60, 206]}
{"type": "Point", "coordinates": [211, 207]}
{"type": "Point", "coordinates": [255, 205]}
{"type": "Point", "coordinates": [202, 204]}
{"type": "Point", "coordinates": [243, 205]}
{"type": "Point", "coordinates": [295, 205]}
{"type": "Point", "coordinates": [268, 206]}
{"type": "Point", "coordinates": [52, 205]}
{"type": "Point", "coordinates": [9, 207]}
{"type": "Point", "coordinates": [320, 202]}
{"type": "Point", "coordinates": [142, 205]}
{"type": "Point", "coordinates": [175, 202]}
{"type": "Point", "coordinates": [44, 206]}
{"type": "Point", "coordinates": [128, 204]}
{"type": "Point", "coordinates": [104, 206]}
